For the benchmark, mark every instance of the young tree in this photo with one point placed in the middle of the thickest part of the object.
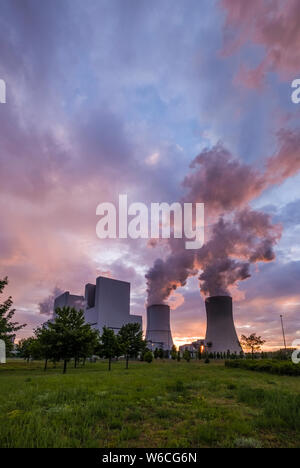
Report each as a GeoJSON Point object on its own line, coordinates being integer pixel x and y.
{"type": "Point", "coordinates": [86, 343]}
{"type": "Point", "coordinates": [109, 346]}
{"type": "Point", "coordinates": [174, 352]}
{"type": "Point", "coordinates": [8, 328]}
{"type": "Point", "coordinates": [131, 341]}
{"type": "Point", "coordinates": [144, 350]}
{"type": "Point", "coordinates": [47, 340]}
{"type": "Point", "coordinates": [161, 353]}
{"type": "Point", "coordinates": [156, 353]}
{"type": "Point", "coordinates": [29, 348]}
{"type": "Point", "coordinates": [178, 355]}
{"type": "Point", "coordinates": [187, 355]}
{"type": "Point", "coordinates": [252, 343]}
{"type": "Point", "coordinates": [148, 357]}
{"type": "Point", "coordinates": [71, 337]}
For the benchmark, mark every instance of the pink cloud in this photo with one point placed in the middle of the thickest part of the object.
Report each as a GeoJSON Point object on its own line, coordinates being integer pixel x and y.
{"type": "Point", "coordinates": [273, 25]}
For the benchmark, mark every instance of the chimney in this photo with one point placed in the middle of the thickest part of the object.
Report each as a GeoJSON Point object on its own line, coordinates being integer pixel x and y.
{"type": "Point", "coordinates": [158, 332]}
{"type": "Point", "coordinates": [220, 333]}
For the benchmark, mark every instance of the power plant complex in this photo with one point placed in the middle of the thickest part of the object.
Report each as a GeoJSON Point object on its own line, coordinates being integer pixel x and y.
{"type": "Point", "coordinates": [107, 303]}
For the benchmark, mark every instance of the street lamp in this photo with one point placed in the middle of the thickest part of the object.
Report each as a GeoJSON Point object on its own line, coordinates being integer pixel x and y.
{"type": "Point", "coordinates": [283, 334]}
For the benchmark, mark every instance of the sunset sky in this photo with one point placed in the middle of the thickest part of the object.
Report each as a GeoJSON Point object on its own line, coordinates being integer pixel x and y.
{"type": "Point", "coordinates": [110, 97]}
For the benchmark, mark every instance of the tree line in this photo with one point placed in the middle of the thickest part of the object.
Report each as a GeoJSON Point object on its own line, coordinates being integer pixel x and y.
{"type": "Point", "coordinates": [68, 337]}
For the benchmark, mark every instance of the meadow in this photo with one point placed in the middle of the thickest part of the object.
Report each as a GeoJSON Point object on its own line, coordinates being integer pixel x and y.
{"type": "Point", "coordinates": [163, 404]}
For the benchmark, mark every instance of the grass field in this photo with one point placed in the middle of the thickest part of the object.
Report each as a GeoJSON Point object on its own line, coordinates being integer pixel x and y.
{"type": "Point", "coordinates": [163, 404]}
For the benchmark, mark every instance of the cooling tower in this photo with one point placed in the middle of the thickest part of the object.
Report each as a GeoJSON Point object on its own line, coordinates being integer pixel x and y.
{"type": "Point", "coordinates": [158, 332]}
{"type": "Point", "coordinates": [220, 333]}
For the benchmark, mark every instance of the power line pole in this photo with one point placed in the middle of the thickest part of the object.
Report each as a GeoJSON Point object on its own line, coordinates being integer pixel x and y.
{"type": "Point", "coordinates": [283, 334]}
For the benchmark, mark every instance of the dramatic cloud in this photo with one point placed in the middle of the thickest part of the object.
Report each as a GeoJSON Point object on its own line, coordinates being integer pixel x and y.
{"type": "Point", "coordinates": [272, 25]}
{"type": "Point", "coordinates": [220, 181]}
{"type": "Point", "coordinates": [286, 162]}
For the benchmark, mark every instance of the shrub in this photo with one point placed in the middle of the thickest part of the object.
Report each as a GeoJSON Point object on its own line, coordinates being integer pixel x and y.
{"type": "Point", "coordinates": [148, 357]}
{"type": "Point", "coordinates": [264, 365]}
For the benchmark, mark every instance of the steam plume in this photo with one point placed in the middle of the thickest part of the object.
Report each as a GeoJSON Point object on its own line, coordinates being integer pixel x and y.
{"type": "Point", "coordinates": [47, 305]}
{"type": "Point", "coordinates": [237, 235]}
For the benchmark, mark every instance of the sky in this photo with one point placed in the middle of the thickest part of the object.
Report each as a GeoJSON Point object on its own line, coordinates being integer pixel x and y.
{"type": "Point", "coordinates": [112, 97]}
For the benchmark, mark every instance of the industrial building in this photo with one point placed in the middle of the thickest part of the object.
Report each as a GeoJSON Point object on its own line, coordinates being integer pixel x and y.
{"type": "Point", "coordinates": [69, 300]}
{"type": "Point", "coordinates": [106, 303]}
{"type": "Point", "coordinates": [158, 334]}
{"type": "Point", "coordinates": [221, 335]}
{"type": "Point", "coordinates": [193, 348]}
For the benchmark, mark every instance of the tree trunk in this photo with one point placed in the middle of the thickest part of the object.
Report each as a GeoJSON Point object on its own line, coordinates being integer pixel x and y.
{"type": "Point", "coordinates": [65, 366]}
{"type": "Point", "coordinates": [127, 358]}
{"type": "Point", "coordinates": [46, 363]}
{"type": "Point", "coordinates": [75, 363]}
{"type": "Point", "coordinates": [109, 363]}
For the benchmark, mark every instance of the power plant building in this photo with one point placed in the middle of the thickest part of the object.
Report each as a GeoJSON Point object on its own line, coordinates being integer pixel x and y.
{"type": "Point", "coordinates": [221, 335]}
{"type": "Point", "coordinates": [158, 334]}
{"type": "Point", "coordinates": [106, 303]}
{"type": "Point", "coordinates": [69, 300]}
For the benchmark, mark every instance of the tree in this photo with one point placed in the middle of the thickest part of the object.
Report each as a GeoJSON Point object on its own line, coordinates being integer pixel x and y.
{"type": "Point", "coordinates": [144, 350]}
{"type": "Point", "coordinates": [178, 356]}
{"type": "Point", "coordinates": [86, 343]}
{"type": "Point", "coordinates": [47, 340]}
{"type": "Point", "coordinates": [70, 336]}
{"type": "Point", "coordinates": [109, 347]}
{"type": "Point", "coordinates": [148, 357]}
{"type": "Point", "coordinates": [29, 348]}
{"type": "Point", "coordinates": [161, 353]}
{"type": "Point", "coordinates": [252, 342]}
{"type": "Point", "coordinates": [187, 355]}
{"type": "Point", "coordinates": [8, 328]}
{"type": "Point", "coordinates": [131, 341]}
{"type": "Point", "coordinates": [173, 352]}
{"type": "Point", "coordinates": [156, 353]}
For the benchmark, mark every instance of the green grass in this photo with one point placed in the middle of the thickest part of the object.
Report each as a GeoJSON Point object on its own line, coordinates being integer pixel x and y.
{"type": "Point", "coordinates": [163, 404]}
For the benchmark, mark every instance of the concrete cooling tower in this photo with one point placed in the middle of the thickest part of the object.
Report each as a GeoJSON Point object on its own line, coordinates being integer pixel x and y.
{"type": "Point", "coordinates": [158, 332]}
{"type": "Point", "coordinates": [220, 333]}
